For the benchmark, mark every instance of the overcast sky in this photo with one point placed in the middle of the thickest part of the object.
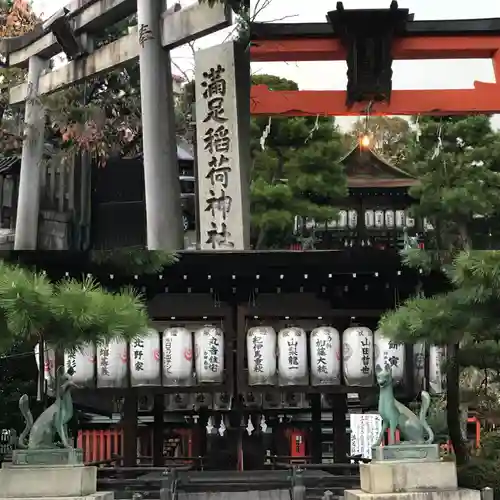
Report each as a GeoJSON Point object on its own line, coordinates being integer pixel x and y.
{"type": "Point", "coordinates": [332, 75]}
{"type": "Point", "coordinates": [450, 74]}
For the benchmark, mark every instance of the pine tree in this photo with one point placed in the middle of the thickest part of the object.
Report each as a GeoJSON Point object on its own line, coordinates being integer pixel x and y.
{"type": "Point", "coordinates": [67, 314]}
{"type": "Point", "coordinates": [295, 171]}
{"type": "Point", "coordinates": [456, 164]}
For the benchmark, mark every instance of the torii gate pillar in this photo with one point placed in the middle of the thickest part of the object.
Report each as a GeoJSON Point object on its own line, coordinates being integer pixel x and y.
{"type": "Point", "coordinates": [31, 156]}
{"type": "Point", "coordinates": [161, 172]}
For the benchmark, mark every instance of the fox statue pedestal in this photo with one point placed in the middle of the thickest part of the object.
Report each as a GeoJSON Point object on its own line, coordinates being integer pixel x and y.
{"type": "Point", "coordinates": [411, 470]}
{"type": "Point", "coordinates": [50, 482]}
{"type": "Point", "coordinates": [410, 479]}
{"type": "Point", "coordinates": [49, 474]}
{"type": "Point", "coordinates": [40, 470]}
{"type": "Point", "coordinates": [43, 482]}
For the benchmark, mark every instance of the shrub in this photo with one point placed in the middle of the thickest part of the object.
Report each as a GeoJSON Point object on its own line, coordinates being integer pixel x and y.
{"type": "Point", "coordinates": [480, 473]}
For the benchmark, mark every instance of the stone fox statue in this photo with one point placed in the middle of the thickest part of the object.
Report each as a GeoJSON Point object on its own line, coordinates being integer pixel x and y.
{"type": "Point", "coordinates": [53, 421]}
{"type": "Point", "coordinates": [395, 415]}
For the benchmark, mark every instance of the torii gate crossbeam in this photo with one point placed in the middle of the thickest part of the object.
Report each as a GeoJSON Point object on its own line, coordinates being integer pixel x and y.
{"type": "Point", "coordinates": [461, 39]}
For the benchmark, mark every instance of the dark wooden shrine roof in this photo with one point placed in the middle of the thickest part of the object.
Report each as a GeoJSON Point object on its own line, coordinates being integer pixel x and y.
{"type": "Point", "coordinates": [365, 168]}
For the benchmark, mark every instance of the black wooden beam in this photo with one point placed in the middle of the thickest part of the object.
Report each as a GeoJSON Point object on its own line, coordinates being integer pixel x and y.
{"type": "Point", "coordinates": [452, 27]}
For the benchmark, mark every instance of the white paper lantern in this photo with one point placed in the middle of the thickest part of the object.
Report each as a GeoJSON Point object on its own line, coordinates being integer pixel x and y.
{"type": "Point", "coordinates": [389, 219]}
{"type": "Point", "coordinates": [352, 217]}
{"type": "Point", "coordinates": [49, 362]}
{"type": "Point", "coordinates": [324, 345]}
{"type": "Point", "coordinates": [177, 357]}
{"type": "Point", "coordinates": [209, 349]}
{"type": "Point", "coordinates": [49, 366]}
{"type": "Point", "coordinates": [410, 221]}
{"type": "Point", "coordinates": [112, 361]}
{"type": "Point", "coordinates": [292, 357]}
{"type": "Point", "coordinates": [261, 355]}
{"type": "Point", "coordinates": [82, 362]}
{"type": "Point", "coordinates": [331, 224]}
{"type": "Point", "coordinates": [418, 367]}
{"type": "Point", "coordinates": [437, 375]}
{"type": "Point", "coordinates": [400, 218]}
{"type": "Point", "coordinates": [342, 218]}
{"type": "Point", "coordinates": [369, 218]}
{"type": "Point", "coordinates": [357, 348]}
{"type": "Point", "coordinates": [390, 353]}
{"type": "Point", "coordinates": [379, 218]}
{"type": "Point", "coordinates": [145, 367]}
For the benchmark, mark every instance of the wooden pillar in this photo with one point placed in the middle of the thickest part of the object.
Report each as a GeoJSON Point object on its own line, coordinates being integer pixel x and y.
{"type": "Point", "coordinates": [129, 425]}
{"type": "Point", "coordinates": [340, 436]}
{"type": "Point", "coordinates": [158, 435]}
{"type": "Point", "coordinates": [316, 431]}
{"type": "Point", "coordinates": [202, 441]}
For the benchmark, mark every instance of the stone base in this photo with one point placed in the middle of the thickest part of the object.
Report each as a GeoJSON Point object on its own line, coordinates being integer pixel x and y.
{"type": "Point", "coordinates": [406, 451]}
{"type": "Point", "coordinates": [48, 457]}
{"type": "Point", "coordinates": [459, 494]}
{"type": "Point", "coordinates": [407, 476]}
{"type": "Point", "coordinates": [47, 482]}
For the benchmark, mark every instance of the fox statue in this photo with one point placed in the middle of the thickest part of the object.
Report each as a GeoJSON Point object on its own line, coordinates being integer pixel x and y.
{"type": "Point", "coordinates": [412, 429]}
{"type": "Point", "coordinates": [52, 422]}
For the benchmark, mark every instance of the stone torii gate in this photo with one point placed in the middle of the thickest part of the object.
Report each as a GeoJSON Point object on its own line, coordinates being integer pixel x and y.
{"type": "Point", "coordinates": [158, 32]}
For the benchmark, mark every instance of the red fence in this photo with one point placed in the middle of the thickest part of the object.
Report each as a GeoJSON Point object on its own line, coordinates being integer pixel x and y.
{"type": "Point", "coordinates": [99, 445]}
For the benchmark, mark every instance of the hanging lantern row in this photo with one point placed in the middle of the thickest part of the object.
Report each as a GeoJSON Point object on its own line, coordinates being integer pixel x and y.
{"type": "Point", "coordinates": [373, 219]}
{"type": "Point", "coordinates": [283, 358]}
{"type": "Point", "coordinates": [143, 356]}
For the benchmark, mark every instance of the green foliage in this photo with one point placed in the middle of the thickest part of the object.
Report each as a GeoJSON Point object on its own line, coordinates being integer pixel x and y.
{"type": "Point", "coordinates": [447, 318]}
{"type": "Point", "coordinates": [67, 314]}
{"type": "Point", "coordinates": [459, 183]}
{"type": "Point", "coordinates": [132, 260]}
{"type": "Point", "coordinates": [480, 473]}
{"type": "Point", "coordinates": [297, 173]}
{"type": "Point", "coordinates": [456, 160]}
{"type": "Point", "coordinates": [490, 446]}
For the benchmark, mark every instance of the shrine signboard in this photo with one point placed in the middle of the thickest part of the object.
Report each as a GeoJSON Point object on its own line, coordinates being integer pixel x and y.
{"type": "Point", "coordinates": [222, 161]}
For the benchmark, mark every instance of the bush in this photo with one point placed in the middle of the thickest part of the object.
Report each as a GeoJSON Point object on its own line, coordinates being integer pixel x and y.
{"type": "Point", "coordinates": [480, 473]}
{"type": "Point", "coordinates": [490, 446]}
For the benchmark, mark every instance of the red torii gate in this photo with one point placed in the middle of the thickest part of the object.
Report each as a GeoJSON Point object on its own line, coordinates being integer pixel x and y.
{"type": "Point", "coordinates": [450, 39]}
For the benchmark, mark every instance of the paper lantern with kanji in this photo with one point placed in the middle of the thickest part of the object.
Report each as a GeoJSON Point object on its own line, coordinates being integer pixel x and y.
{"type": "Point", "coordinates": [177, 357]}
{"type": "Point", "coordinates": [209, 355]}
{"type": "Point", "coordinates": [145, 369]}
{"type": "Point", "coordinates": [324, 345]}
{"type": "Point", "coordinates": [81, 362]}
{"type": "Point", "coordinates": [357, 350]}
{"type": "Point", "coordinates": [419, 359]}
{"type": "Point", "coordinates": [261, 355]}
{"type": "Point", "coordinates": [112, 361]}
{"type": "Point", "coordinates": [437, 374]}
{"type": "Point", "coordinates": [292, 357]}
{"type": "Point", "coordinates": [49, 368]}
{"type": "Point", "coordinates": [389, 353]}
